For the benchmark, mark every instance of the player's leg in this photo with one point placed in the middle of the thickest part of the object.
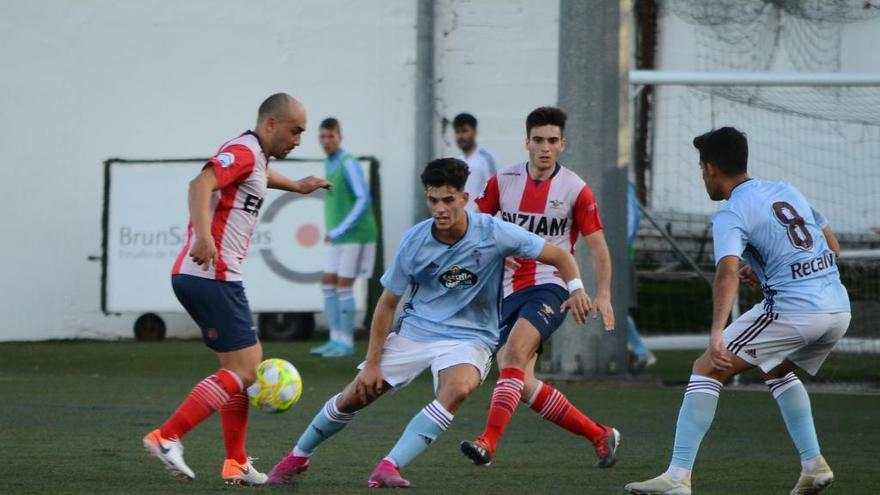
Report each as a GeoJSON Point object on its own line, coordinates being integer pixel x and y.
{"type": "Point", "coordinates": [555, 407]}
{"type": "Point", "coordinates": [513, 359]}
{"type": "Point", "coordinates": [219, 311]}
{"type": "Point", "coordinates": [237, 468]}
{"type": "Point", "coordinates": [343, 342]}
{"type": "Point", "coordinates": [793, 400]}
{"type": "Point", "coordinates": [698, 408]}
{"type": "Point", "coordinates": [331, 303]}
{"type": "Point", "coordinates": [458, 372]}
{"type": "Point", "coordinates": [402, 361]}
{"type": "Point", "coordinates": [643, 356]}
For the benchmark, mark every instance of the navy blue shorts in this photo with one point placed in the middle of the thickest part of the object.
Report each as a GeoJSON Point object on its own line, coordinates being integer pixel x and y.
{"type": "Point", "coordinates": [219, 308]}
{"type": "Point", "coordinates": [539, 305]}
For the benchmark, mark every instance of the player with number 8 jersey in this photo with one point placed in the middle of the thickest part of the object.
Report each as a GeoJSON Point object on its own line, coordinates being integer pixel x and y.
{"type": "Point", "coordinates": [791, 254]}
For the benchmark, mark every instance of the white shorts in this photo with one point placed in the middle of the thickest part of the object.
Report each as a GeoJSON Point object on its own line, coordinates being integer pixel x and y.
{"type": "Point", "coordinates": [404, 359]}
{"type": "Point", "coordinates": [767, 339]}
{"type": "Point", "coordinates": [351, 260]}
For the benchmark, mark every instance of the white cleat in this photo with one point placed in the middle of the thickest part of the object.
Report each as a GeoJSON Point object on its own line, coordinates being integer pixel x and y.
{"type": "Point", "coordinates": [814, 481]}
{"type": "Point", "coordinates": [170, 452]}
{"type": "Point", "coordinates": [242, 474]}
{"type": "Point", "coordinates": [661, 485]}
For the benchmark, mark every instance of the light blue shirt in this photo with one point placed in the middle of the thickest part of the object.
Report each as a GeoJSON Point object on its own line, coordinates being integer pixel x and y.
{"type": "Point", "coordinates": [455, 290]}
{"type": "Point", "coordinates": [773, 227]}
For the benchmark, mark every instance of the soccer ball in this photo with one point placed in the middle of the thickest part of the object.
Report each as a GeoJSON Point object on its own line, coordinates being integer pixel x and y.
{"type": "Point", "coordinates": [277, 388]}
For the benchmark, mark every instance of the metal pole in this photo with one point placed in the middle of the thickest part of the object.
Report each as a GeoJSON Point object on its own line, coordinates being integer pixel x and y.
{"type": "Point", "coordinates": [424, 138]}
{"type": "Point", "coordinates": [589, 92]}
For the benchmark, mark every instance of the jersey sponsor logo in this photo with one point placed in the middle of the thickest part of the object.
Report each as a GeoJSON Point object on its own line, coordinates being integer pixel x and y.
{"type": "Point", "coordinates": [538, 224]}
{"type": "Point", "coordinates": [815, 265]}
{"type": "Point", "coordinates": [458, 277]}
{"type": "Point", "coordinates": [226, 159]}
{"type": "Point", "coordinates": [515, 174]}
{"type": "Point", "coordinates": [252, 204]}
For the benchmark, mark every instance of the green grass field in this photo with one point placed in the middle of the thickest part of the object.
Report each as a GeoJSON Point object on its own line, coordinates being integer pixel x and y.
{"type": "Point", "coordinates": [73, 415]}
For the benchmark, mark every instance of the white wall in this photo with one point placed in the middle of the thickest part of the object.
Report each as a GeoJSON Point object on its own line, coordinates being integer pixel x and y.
{"type": "Point", "coordinates": [498, 60]}
{"type": "Point", "coordinates": [84, 81]}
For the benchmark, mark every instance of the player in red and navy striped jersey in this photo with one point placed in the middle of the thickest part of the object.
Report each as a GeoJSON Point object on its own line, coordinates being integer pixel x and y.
{"type": "Point", "coordinates": [224, 201]}
{"type": "Point", "coordinates": [553, 202]}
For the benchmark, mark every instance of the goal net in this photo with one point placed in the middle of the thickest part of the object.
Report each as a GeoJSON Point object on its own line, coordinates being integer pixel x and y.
{"type": "Point", "coordinates": [780, 71]}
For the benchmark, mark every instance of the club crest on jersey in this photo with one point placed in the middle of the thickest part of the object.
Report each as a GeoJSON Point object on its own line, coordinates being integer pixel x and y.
{"type": "Point", "coordinates": [226, 159]}
{"type": "Point", "coordinates": [556, 204]}
{"type": "Point", "coordinates": [458, 278]}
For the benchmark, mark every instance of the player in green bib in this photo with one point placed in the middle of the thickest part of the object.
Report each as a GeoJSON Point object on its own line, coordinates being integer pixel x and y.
{"type": "Point", "coordinates": [351, 234]}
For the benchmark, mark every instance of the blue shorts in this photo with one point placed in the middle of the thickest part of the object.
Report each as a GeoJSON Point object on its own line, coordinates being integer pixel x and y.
{"type": "Point", "coordinates": [219, 308]}
{"type": "Point", "coordinates": [539, 305]}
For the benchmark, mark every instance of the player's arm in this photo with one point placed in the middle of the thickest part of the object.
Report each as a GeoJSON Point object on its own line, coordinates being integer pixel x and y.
{"type": "Point", "coordinates": [831, 239]}
{"type": "Point", "coordinates": [602, 269]}
{"type": "Point", "coordinates": [368, 383]}
{"type": "Point", "coordinates": [578, 302]}
{"type": "Point", "coordinates": [203, 251]}
{"type": "Point", "coordinates": [724, 291]}
{"type": "Point", "coordinates": [302, 186]}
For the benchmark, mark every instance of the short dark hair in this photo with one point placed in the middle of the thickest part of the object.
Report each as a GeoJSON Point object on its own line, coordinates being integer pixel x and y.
{"type": "Point", "coordinates": [331, 124]}
{"type": "Point", "coordinates": [464, 119]}
{"type": "Point", "coordinates": [727, 148]}
{"type": "Point", "coordinates": [445, 172]}
{"type": "Point", "coordinates": [546, 116]}
{"type": "Point", "coordinates": [273, 106]}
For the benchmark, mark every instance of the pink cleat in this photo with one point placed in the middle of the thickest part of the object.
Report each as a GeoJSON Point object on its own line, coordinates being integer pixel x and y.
{"type": "Point", "coordinates": [288, 466]}
{"type": "Point", "coordinates": [386, 475]}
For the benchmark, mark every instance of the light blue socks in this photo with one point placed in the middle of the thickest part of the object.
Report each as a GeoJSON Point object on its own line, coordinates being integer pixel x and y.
{"type": "Point", "coordinates": [331, 309]}
{"type": "Point", "coordinates": [694, 419]}
{"type": "Point", "coordinates": [324, 425]}
{"type": "Point", "coordinates": [420, 433]}
{"type": "Point", "coordinates": [794, 403]}
{"type": "Point", "coordinates": [345, 296]}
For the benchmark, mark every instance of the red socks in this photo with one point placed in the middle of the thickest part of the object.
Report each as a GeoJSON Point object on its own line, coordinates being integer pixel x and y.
{"type": "Point", "coordinates": [234, 418]}
{"type": "Point", "coordinates": [206, 397]}
{"type": "Point", "coordinates": [505, 398]}
{"type": "Point", "coordinates": [555, 407]}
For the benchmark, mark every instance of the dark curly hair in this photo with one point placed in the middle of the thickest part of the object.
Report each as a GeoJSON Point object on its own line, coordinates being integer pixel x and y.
{"type": "Point", "coordinates": [726, 147]}
{"type": "Point", "coordinates": [445, 172]}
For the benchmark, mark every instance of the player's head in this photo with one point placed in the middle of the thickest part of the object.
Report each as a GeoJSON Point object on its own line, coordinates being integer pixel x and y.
{"type": "Point", "coordinates": [724, 157]}
{"type": "Point", "coordinates": [465, 127]}
{"type": "Point", "coordinates": [330, 135]}
{"type": "Point", "coordinates": [444, 180]}
{"type": "Point", "coordinates": [281, 120]}
{"type": "Point", "coordinates": [545, 127]}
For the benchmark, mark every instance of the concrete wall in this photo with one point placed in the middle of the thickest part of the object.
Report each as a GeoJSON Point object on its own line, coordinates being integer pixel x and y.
{"type": "Point", "coordinates": [84, 81]}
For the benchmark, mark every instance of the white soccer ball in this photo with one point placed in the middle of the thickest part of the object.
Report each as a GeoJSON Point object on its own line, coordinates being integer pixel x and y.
{"type": "Point", "coordinates": [278, 386]}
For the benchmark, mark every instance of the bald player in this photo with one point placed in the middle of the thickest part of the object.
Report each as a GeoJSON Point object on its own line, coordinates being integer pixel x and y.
{"type": "Point", "coordinates": [224, 201]}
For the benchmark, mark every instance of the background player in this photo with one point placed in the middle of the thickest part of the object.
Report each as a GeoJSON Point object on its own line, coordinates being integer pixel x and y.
{"type": "Point", "coordinates": [453, 264]}
{"type": "Point", "coordinates": [481, 162]}
{"type": "Point", "coordinates": [224, 201]}
{"type": "Point", "coordinates": [351, 233]}
{"type": "Point", "coordinates": [792, 252]}
{"type": "Point", "coordinates": [553, 202]}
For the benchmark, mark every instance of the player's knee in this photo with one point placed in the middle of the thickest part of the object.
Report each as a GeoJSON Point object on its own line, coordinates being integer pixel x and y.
{"type": "Point", "coordinates": [455, 393]}
{"type": "Point", "coordinates": [248, 377]}
{"type": "Point", "coordinates": [515, 357]}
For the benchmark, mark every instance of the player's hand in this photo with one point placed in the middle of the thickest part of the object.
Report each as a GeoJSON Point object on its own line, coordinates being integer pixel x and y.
{"type": "Point", "coordinates": [204, 252]}
{"type": "Point", "coordinates": [603, 307]}
{"type": "Point", "coordinates": [748, 277]}
{"type": "Point", "coordinates": [510, 262]}
{"type": "Point", "coordinates": [579, 303]}
{"type": "Point", "coordinates": [368, 384]}
{"type": "Point", "coordinates": [310, 183]}
{"type": "Point", "coordinates": [719, 356]}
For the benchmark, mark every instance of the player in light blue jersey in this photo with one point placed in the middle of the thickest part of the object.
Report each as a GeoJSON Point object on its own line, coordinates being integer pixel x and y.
{"type": "Point", "coordinates": [791, 253]}
{"type": "Point", "coordinates": [452, 264]}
